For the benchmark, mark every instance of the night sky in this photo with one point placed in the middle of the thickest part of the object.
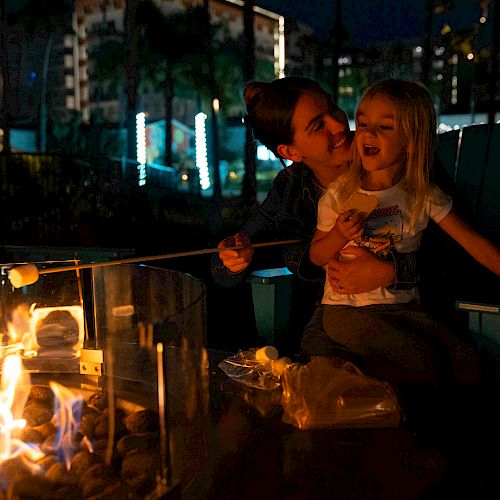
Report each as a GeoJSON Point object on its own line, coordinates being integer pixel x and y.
{"type": "Point", "coordinates": [373, 21]}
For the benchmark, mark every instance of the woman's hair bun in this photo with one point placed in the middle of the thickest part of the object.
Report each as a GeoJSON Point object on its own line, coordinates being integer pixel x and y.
{"type": "Point", "coordinates": [252, 89]}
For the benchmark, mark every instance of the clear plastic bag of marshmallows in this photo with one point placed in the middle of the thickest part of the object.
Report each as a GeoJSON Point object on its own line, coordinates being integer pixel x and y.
{"type": "Point", "coordinates": [259, 368]}
{"type": "Point", "coordinates": [331, 392]}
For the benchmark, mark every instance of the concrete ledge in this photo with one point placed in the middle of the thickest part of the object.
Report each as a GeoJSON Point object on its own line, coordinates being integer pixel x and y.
{"type": "Point", "coordinates": [484, 326]}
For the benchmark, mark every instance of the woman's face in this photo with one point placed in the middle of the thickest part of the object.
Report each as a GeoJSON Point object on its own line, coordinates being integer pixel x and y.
{"type": "Point", "coordinates": [322, 137]}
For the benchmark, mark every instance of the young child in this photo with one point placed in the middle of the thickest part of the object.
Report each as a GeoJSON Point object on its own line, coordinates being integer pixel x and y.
{"type": "Point", "coordinates": [394, 144]}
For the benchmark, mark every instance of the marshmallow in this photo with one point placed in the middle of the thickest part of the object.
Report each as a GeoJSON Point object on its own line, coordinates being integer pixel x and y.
{"type": "Point", "coordinates": [24, 275]}
{"type": "Point", "coordinates": [280, 364]}
{"type": "Point", "coordinates": [267, 353]}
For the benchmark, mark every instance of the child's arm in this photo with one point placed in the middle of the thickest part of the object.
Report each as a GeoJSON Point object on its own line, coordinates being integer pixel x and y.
{"type": "Point", "coordinates": [482, 249]}
{"type": "Point", "coordinates": [348, 226]}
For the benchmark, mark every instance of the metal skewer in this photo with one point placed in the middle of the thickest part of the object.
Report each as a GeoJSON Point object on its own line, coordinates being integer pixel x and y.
{"type": "Point", "coordinates": [189, 253]}
{"type": "Point", "coordinates": [27, 274]}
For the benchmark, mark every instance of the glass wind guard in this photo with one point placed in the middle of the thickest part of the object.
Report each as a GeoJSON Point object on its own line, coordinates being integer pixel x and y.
{"type": "Point", "coordinates": [43, 322]}
{"type": "Point", "coordinates": [151, 324]}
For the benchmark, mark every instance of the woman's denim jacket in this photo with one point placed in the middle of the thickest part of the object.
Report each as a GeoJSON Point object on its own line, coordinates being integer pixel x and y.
{"type": "Point", "coordinates": [290, 212]}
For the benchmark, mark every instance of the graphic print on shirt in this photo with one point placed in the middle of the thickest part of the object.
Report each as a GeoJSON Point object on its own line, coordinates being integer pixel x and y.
{"type": "Point", "coordinates": [383, 228]}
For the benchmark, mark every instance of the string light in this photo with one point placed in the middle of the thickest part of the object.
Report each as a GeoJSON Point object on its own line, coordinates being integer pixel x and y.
{"type": "Point", "coordinates": [201, 149]}
{"type": "Point", "coordinates": [140, 125]}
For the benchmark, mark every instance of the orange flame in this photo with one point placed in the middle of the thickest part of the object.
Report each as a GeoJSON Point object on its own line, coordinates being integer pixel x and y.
{"type": "Point", "coordinates": [20, 337]}
{"type": "Point", "coordinates": [13, 395]}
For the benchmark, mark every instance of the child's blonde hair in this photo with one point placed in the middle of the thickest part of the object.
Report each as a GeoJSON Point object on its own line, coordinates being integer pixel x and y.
{"type": "Point", "coordinates": [415, 123]}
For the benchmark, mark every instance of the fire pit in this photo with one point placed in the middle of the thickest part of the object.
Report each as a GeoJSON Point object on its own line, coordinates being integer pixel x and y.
{"type": "Point", "coordinates": [104, 384]}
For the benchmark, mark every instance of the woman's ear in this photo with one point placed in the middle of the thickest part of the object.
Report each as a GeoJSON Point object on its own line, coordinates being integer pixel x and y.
{"type": "Point", "coordinates": [288, 152]}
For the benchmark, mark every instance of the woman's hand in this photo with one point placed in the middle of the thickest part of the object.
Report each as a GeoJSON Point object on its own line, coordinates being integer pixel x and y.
{"type": "Point", "coordinates": [350, 225]}
{"type": "Point", "coordinates": [236, 260]}
{"type": "Point", "coordinates": [356, 270]}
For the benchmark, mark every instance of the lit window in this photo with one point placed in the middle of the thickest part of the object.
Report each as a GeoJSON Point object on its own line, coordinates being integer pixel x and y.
{"type": "Point", "coordinates": [69, 81]}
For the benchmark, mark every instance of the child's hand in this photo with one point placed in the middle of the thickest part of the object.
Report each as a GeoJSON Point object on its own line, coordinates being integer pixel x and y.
{"type": "Point", "coordinates": [350, 225]}
{"type": "Point", "coordinates": [236, 260]}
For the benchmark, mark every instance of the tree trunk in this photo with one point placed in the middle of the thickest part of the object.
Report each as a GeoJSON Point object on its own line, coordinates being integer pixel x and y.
{"type": "Point", "coordinates": [249, 185]}
{"type": "Point", "coordinates": [339, 36]}
{"type": "Point", "coordinates": [44, 80]}
{"type": "Point", "coordinates": [102, 39]}
{"type": "Point", "coordinates": [168, 95]}
{"type": "Point", "coordinates": [427, 54]}
{"type": "Point", "coordinates": [132, 72]}
{"type": "Point", "coordinates": [493, 106]}
{"type": "Point", "coordinates": [5, 77]}
{"type": "Point", "coordinates": [214, 94]}
{"type": "Point", "coordinates": [215, 157]}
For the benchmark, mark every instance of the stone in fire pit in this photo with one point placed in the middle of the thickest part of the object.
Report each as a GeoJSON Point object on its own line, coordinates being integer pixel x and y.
{"type": "Point", "coordinates": [131, 474]}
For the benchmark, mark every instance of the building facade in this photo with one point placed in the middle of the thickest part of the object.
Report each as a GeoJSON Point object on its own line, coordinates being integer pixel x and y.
{"type": "Point", "coordinates": [96, 22]}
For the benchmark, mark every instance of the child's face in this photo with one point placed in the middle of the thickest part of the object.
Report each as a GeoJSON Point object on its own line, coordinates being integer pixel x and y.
{"type": "Point", "coordinates": [377, 142]}
{"type": "Point", "coordinates": [321, 131]}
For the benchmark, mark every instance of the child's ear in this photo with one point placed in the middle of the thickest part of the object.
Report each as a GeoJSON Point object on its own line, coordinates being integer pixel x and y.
{"type": "Point", "coordinates": [288, 152]}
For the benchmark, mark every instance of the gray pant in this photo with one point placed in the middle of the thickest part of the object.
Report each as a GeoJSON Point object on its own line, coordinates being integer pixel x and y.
{"type": "Point", "coordinates": [399, 343]}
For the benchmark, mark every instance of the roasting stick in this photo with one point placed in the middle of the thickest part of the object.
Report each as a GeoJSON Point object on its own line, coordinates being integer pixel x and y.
{"type": "Point", "coordinates": [132, 260]}
{"type": "Point", "coordinates": [27, 274]}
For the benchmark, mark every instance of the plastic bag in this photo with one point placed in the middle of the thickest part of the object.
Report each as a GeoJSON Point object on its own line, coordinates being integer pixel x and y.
{"type": "Point", "coordinates": [330, 392]}
{"type": "Point", "coordinates": [255, 368]}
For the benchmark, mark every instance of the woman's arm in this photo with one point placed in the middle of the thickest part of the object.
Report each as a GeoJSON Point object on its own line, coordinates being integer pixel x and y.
{"type": "Point", "coordinates": [324, 245]}
{"type": "Point", "coordinates": [231, 267]}
{"type": "Point", "coordinates": [482, 249]}
{"type": "Point", "coordinates": [362, 272]}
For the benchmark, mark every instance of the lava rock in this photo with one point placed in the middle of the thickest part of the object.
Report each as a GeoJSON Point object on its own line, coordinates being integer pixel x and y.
{"type": "Point", "coordinates": [142, 421]}
{"type": "Point", "coordinates": [82, 461]}
{"type": "Point", "coordinates": [144, 441]}
{"type": "Point", "coordinates": [36, 414]}
{"type": "Point", "coordinates": [98, 400]}
{"type": "Point", "coordinates": [42, 395]}
{"type": "Point", "coordinates": [58, 473]}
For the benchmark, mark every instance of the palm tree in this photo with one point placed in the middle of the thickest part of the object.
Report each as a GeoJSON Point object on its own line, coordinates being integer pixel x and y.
{"type": "Point", "coordinates": [179, 51]}
{"type": "Point", "coordinates": [132, 72]}
{"type": "Point", "coordinates": [214, 94]}
{"type": "Point", "coordinates": [49, 19]}
{"type": "Point", "coordinates": [162, 47]}
{"type": "Point", "coordinates": [5, 80]}
{"type": "Point", "coordinates": [110, 63]}
{"type": "Point", "coordinates": [427, 53]}
{"type": "Point", "coordinates": [339, 36]}
{"type": "Point", "coordinates": [493, 80]}
{"type": "Point", "coordinates": [249, 187]}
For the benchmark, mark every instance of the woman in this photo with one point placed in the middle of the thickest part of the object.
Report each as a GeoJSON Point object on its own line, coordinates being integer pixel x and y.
{"type": "Point", "coordinates": [295, 118]}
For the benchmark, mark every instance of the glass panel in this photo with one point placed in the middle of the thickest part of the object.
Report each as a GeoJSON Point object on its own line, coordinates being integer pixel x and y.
{"type": "Point", "coordinates": [151, 321]}
{"type": "Point", "coordinates": [43, 322]}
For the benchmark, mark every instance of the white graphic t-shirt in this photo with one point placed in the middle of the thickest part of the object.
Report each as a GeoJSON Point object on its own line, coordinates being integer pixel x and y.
{"type": "Point", "coordinates": [387, 228]}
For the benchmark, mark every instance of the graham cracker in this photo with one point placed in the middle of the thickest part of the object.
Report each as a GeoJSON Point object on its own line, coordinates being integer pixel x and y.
{"type": "Point", "coordinates": [364, 203]}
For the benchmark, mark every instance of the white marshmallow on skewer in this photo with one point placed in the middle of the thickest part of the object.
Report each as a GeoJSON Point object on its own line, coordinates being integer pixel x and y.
{"type": "Point", "coordinates": [267, 353]}
{"type": "Point", "coordinates": [23, 275]}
